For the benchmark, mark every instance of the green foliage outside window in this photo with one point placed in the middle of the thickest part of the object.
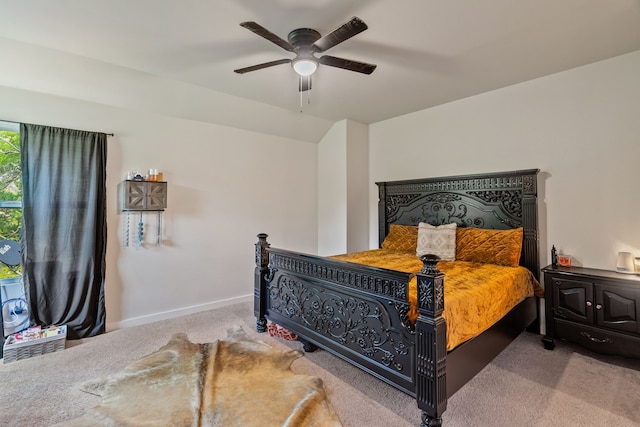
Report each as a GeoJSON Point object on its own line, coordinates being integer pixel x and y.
{"type": "Point", "coordinates": [10, 191]}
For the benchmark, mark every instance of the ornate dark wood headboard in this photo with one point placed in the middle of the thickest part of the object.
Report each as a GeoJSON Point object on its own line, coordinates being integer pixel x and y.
{"type": "Point", "coordinates": [501, 200]}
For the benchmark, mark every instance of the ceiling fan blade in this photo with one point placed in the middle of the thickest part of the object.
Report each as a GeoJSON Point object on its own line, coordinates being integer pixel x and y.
{"type": "Point", "coordinates": [304, 83]}
{"type": "Point", "coordinates": [263, 32]}
{"type": "Point", "coordinates": [347, 64]}
{"type": "Point", "coordinates": [340, 34]}
{"type": "Point", "coordinates": [261, 66]}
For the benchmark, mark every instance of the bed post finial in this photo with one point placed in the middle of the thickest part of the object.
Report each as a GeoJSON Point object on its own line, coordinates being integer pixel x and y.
{"type": "Point", "coordinates": [431, 343]}
{"type": "Point", "coordinates": [260, 282]}
{"type": "Point", "coordinates": [430, 264]}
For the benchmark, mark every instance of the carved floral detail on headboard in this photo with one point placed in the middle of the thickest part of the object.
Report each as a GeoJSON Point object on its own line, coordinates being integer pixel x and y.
{"type": "Point", "coordinates": [510, 200]}
{"type": "Point", "coordinates": [396, 201]}
{"type": "Point", "coordinates": [445, 208]}
{"type": "Point", "coordinates": [442, 208]}
{"type": "Point", "coordinates": [529, 184]}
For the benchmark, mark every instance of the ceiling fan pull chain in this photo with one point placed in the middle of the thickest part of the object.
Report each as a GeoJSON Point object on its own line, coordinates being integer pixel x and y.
{"type": "Point", "coordinates": [304, 86]}
{"type": "Point", "coordinates": [300, 91]}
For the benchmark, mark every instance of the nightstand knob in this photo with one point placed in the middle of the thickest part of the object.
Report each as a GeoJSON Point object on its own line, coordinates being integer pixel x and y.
{"type": "Point", "coordinates": [589, 304]}
{"type": "Point", "coordinates": [598, 306]}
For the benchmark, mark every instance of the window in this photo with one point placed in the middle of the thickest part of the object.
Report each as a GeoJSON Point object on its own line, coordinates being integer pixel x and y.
{"type": "Point", "coordinates": [10, 187]}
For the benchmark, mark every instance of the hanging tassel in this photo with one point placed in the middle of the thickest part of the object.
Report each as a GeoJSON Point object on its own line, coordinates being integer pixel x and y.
{"type": "Point", "coordinates": [159, 229]}
{"type": "Point", "coordinates": [140, 231]}
{"type": "Point", "coordinates": [126, 230]}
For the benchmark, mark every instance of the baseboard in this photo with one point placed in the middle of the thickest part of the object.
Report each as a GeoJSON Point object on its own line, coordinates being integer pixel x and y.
{"type": "Point", "coordinates": [142, 320]}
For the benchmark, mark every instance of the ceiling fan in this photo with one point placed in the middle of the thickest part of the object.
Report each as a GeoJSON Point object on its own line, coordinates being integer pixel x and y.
{"type": "Point", "coordinates": [305, 43]}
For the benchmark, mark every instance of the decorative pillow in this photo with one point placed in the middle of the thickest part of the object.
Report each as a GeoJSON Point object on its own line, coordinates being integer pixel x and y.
{"type": "Point", "coordinates": [437, 240]}
{"type": "Point", "coordinates": [401, 238]}
{"type": "Point", "coordinates": [502, 247]}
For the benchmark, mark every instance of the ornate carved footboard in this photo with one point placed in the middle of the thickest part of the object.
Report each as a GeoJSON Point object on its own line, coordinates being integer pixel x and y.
{"type": "Point", "coordinates": [360, 313]}
{"type": "Point", "coordinates": [355, 311]}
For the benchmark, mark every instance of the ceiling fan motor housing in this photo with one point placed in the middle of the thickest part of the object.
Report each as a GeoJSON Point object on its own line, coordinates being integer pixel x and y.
{"type": "Point", "coordinates": [303, 37]}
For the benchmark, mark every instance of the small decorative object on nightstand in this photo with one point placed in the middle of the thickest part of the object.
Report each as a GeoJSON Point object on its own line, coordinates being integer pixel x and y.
{"type": "Point", "coordinates": [564, 260]}
{"type": "Point", "coordinates": [599, 309]}
{"type": "Point", "coordinates": [625, 263]}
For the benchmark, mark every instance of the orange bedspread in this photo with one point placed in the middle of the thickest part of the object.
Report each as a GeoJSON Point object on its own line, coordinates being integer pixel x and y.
{"type": "Point", "coordinates": [476, 295]}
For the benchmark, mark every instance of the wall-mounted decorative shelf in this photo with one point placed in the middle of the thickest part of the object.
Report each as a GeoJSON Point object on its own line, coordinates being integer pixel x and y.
{"type": "Point", "coordinates": [142, 195]}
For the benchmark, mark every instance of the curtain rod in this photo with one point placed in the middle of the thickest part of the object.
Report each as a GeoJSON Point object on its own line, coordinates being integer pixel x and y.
{"type": "Point", "coordinates": [18, 123]}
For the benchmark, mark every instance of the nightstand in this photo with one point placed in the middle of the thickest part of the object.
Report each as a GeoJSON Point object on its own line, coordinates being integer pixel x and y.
{"type": "Point", "coordinates": [598, 309]}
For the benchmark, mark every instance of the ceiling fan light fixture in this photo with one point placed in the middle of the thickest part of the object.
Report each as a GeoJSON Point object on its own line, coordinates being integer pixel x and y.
{"type": "Point", "coordinates": [305, 67]}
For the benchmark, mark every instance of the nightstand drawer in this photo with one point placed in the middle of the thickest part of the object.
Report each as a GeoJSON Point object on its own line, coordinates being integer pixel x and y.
{"type": "Point", "coordinates": [597, 339]}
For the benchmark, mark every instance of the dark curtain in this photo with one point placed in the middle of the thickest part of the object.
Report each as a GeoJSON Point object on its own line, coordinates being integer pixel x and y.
{"type": "Point", "coordinates": [64, 227]}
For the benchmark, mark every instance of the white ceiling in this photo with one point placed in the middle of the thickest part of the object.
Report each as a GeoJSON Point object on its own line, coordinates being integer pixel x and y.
{"type": "Point", "coordinates": [427, 52]}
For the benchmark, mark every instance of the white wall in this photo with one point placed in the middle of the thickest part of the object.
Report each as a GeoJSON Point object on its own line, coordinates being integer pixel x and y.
{"type": "Point", "coordinates": [225, 185]}
{"type": "Point", "coordinates": [581, 128]}
{"type": "Point", "coordinates": [343, 181]}
{"type": "Point", "coordinates": [332, 191]}
{"type": "Point", "coordinates": [357, 186]}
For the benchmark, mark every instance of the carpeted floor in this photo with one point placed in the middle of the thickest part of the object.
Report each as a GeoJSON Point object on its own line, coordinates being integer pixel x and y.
{"type": "Point", "coordinates": [525, 385]}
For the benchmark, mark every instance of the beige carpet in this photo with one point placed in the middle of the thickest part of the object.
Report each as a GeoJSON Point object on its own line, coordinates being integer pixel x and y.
{"type": "Point", "coordinates": [524, 386]}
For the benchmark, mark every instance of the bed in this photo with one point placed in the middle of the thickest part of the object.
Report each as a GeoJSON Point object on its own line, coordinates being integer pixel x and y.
{"type": "Point", "coordinates": [361, 312]}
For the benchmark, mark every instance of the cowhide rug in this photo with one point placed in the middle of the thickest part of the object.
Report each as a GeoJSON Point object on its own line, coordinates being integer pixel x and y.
{"type": "Point", "coordinates": [232, 382]}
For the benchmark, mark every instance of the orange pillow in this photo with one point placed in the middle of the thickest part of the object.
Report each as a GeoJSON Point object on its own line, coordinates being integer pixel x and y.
{"type": "Point", "coordinates": [401, 238]}
{"type": "Point", "coordinates": [502, 247]}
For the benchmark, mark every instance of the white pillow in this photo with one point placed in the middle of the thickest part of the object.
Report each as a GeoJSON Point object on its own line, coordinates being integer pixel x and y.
{"type": "Point", "coordinates": [437, 240]}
